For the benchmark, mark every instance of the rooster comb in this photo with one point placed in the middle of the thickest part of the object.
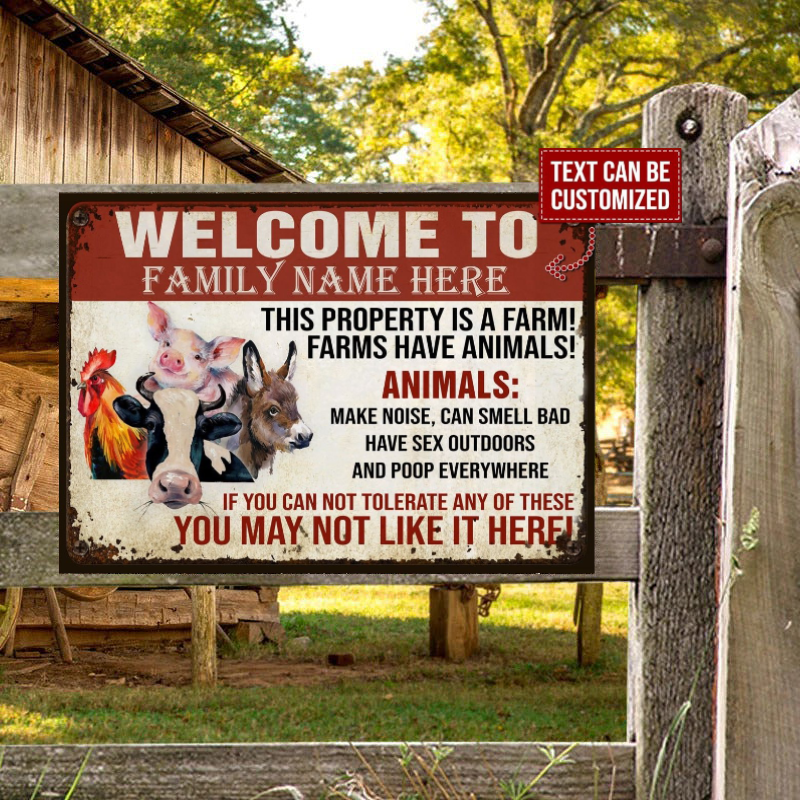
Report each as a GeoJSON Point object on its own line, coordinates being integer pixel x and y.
{"type": "Point", "coordinates": [98, 359]}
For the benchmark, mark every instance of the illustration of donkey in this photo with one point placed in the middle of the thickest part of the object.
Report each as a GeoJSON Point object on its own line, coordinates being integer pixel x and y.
{"type": "Point", "coordinates": [266, 403]}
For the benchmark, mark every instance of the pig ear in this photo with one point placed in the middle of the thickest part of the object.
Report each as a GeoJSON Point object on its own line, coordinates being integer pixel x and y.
{"type": "Point", "coordinates": [256, 377]}
{"type": "Point", "coordinates": [222, 350]}
{"type": "Point", "coordinates": [158, 321]}
{"type": "Point", "coordinates": [286, 370]}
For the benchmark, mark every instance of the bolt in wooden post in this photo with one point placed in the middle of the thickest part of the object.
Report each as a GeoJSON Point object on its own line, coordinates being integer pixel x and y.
{"type": "Point", "coordinates": [678, 455]}
{"type": "Point", "coordinates": [204, 636]}
{"type": "Point", "coordinates": [757, 737]}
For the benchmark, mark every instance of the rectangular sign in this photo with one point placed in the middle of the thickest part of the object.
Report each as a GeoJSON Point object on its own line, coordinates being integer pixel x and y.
{"type": "Point", "coordinates": [325, 382]}
{"type": "Point", "coordinates": [604, 184]}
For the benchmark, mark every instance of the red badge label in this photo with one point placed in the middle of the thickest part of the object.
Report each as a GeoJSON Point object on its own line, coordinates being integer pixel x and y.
{"type": "Point", "coordinates": [607, 185]}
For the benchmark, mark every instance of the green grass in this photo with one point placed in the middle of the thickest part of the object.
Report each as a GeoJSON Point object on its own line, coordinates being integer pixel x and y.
{"type": "Point", "coordinates": [525, 684]}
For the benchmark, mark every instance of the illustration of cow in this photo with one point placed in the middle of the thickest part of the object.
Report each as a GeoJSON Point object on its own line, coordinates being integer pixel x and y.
{"type": "Point", "coordinates": [179, 435]}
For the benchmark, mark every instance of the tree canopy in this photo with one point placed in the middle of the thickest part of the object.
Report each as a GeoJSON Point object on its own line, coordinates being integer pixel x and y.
{"type": "Point", "coordinates": [238, 59]}
{"type": "Point", "coordinates": [497, 79]}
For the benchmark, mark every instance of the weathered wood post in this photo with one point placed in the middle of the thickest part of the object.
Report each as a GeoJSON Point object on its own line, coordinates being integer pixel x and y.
{"type": "Point", "coordinates": [757, 753]}
{"type": "Point", "coordinates": [453, 622]}
{"type": "Point", "coordinates": [678, 454]}
{"type": "Point", "coordinates": [588, 613]}
{"type": "Point", "coordinates": [204, 635]}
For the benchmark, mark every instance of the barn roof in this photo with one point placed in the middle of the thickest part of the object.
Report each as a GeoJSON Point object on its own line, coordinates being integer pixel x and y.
{"type": "Point", "coordinates": [131, 79]}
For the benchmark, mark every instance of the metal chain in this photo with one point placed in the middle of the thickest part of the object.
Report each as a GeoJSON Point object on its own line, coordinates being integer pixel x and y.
{"type": "Point", "coordinates": [490, 593]}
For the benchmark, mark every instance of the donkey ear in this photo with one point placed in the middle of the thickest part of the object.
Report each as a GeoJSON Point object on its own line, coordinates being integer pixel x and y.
{"type": "Point", "coordinates": [286, 370]}
{"type": "Point", "coordinates": [158, 321]}
{"type": "Point", "coordinates": [255, 376]}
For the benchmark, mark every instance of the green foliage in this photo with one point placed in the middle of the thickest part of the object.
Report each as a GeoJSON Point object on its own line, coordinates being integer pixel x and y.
{"type": "Point", "coordinates": [616, 345]}
{"type": "Point", "coordinates": [237, 59]}
{"type": "Point", "coordinates": [497, 79]}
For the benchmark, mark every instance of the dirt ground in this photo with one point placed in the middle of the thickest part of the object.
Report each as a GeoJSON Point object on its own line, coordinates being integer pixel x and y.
{"type": "Point", "coordinates": [168, 666]}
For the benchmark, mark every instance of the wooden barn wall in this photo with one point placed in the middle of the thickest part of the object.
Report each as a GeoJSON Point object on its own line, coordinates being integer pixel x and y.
{"type": "Point", "coordinates": [61, 124]}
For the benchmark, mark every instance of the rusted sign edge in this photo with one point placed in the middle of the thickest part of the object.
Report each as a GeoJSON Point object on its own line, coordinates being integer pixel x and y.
{"type": "Point", "coordinates": [97, 560]}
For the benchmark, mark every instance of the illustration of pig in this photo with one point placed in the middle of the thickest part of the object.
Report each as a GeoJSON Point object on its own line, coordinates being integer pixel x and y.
{"type": "Point", "coordinates": [186, 361]}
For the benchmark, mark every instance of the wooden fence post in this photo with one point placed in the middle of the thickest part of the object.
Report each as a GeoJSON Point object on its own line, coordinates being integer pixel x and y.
{"type": "Point", "coordinates": [757, 752]}
{"type": "Point", "coordinates": [204, 635]}
{"type": "Point", "coordinates": [678, 454]}
{"type": "Point", "coordinates": [588, 613]}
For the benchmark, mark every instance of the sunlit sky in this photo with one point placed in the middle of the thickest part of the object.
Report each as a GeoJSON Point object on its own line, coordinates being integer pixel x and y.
{"type": "Point", "coordinates": [339, 33]}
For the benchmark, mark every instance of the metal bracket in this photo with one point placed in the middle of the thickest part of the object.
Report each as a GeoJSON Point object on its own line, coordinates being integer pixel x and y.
{"type": "Point", "coordinates": [638, 253]}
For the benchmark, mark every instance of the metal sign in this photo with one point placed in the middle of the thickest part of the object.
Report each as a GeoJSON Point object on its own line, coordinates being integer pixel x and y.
{"type": "Point", "coordinates": [324, 381]}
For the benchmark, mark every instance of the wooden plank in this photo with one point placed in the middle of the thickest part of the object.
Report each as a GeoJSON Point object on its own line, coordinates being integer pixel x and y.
{"type": "Point", "coordinates": [240, 772]}
{"type": "Point", "coordinates": [229, 147]}
{"type": "Point", "coordinates": [29, 556]}
{"type": "Point", "coordinates": [41, 428]}
{"type": "Point", "coordinates": [51, 168]}
{"type": "Point", "coordinates": [145, 157]}
{"type": "Point", "coordinates": [204, 636]}
{"type": "Point", "coordinates": [87, 51]}
{"type": "Point", "coordinates": [157, 100]}
{"type": "Point", "coordinates": [191, 162]}
{"type": "Point", "coordinates": [42, 637]}
{"type": "Point", "coordinates": [28, 290]}
{"type": "Point", "coordinates": [758, 714]}
{"type": "Point", "coordinates": [20, 7]}
{"type": "Point", "coordinates": [121, 138]}
{"type": "Point", "coordinates": [19, 395]}
{"type": "Point", "coordinates": [131, 609]}
{"type": "Point", "coordinates": [9, 65]}
{"type": "Point", "coordinates": [276, 177]}
{"type": "Point", "coordinates": [678, 458]}
{"type": "Point", "coordinates": [190, 122]}
{"type": "Point", "coordinates": [231, 176]}
{"type": "Point", "coordinates": [53, 26]}
{"type": "Point", "coordinates": [168, 155]}
{"type": "Point", "coordinates": [76, 122]}
{"type": "Point", "coordinates": [27, 165]}
{"type": "Point", "coordinates": [249, 169]}
{"type": "Point", "coordinates": [28, 327]}
{"type": "Point", "coordinates": [43, 362]}
{"type": "Point", "coordinates": [121, 76]}
{"type": "Point", "coordinates": [99, 147]}
{"type": "Point", "coordinates": [213, 170]}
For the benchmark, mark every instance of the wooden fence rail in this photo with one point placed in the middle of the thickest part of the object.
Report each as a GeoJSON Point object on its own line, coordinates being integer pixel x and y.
{"type": "Point", "coordinates": [29, 557]}
{"type": "Point", "coordinates": [240, 772]}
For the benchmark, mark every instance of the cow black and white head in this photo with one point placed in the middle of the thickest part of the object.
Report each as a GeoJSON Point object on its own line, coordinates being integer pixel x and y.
{"type": "Point", "coordinates": [177, 429]}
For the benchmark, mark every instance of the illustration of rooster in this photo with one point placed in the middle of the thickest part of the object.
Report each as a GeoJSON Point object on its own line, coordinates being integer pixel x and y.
{"type": "Point", "coordinates": [113, 449]}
